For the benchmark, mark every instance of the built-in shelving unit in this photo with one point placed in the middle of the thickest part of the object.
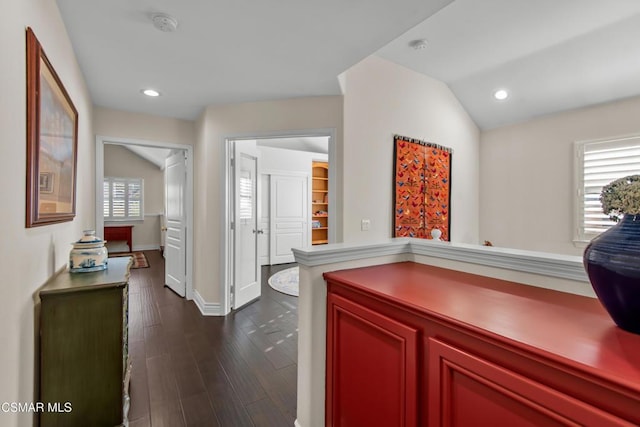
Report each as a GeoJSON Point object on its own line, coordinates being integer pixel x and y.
{"type": "Point", "coordinates": [319, 203]}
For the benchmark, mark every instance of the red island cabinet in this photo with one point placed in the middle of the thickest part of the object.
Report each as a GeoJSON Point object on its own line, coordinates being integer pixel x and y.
{"type": "Point", "coordinates": [416, 345]}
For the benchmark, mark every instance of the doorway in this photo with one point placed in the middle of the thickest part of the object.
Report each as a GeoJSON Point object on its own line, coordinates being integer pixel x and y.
{"type": "Point", "coordinates": [233, 263]}
{"type": "Point", "coordinates": [180, 260]}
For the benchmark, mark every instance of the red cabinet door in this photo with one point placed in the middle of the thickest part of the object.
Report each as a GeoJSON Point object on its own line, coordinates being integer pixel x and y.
{"type": "Point", "coordinates": [466, 390]}
{"type": "Point", "coordinates": [372, 368]}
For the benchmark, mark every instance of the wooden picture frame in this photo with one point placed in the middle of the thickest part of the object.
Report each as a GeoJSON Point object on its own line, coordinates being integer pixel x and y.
{"type": "Point", "coordinates": [52, 142]}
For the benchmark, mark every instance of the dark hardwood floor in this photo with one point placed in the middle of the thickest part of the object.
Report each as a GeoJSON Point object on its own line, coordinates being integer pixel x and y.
{"type": "Point", "coordinates": [192, 370]}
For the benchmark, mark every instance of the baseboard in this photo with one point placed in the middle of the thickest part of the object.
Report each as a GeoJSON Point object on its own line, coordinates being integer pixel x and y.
{"type": "Point", "coordinates": [146, 247]}
{"type": "Point", "coordinates": [207, 308]}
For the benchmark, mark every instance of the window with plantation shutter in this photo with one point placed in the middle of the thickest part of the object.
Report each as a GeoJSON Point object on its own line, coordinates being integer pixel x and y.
{"type": "Point", "coordinates": [123, 199]}
{"type": "Point", "coordinates": [599, 163]}
{"type": "Point", "coordinates": [246, 195]}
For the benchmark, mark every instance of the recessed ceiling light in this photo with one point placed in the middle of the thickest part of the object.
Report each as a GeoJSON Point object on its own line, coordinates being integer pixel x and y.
{"type": "Point", "coordinates": [501, 95]}
{"type": "Point", "coordinates": [151, 92]}
{"type": "Point", "coordinates": [418, 44]}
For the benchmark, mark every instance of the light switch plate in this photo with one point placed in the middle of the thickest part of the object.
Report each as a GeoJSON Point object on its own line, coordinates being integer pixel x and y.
{"type": "Point", "coordinates": [365, 224]}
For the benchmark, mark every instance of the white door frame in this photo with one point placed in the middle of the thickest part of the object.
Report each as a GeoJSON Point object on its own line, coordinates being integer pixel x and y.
{"type": "Point", "coordinates": [227, 260]}
{"type": "Point", "coordinates": [264, 212]}
{"type": "Point", "coordinates": [100, 143]}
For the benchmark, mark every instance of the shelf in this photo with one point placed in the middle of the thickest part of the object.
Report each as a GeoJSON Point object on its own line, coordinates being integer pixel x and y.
{"type": "Point", "coordinates": [320, 192]}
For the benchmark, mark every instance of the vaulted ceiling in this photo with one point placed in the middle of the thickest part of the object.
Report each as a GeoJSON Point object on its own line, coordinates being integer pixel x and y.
{"type": "Point", "coordinates": [550, 55]}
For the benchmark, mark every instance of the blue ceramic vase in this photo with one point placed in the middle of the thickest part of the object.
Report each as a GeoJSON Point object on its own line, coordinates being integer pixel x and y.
{"type": "Point", "coordinates": [612, 261]}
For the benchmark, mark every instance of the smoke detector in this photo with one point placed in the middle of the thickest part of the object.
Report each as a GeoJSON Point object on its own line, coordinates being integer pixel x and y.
{"type": "Point", "coordinates": [164, 22]}
{"type": "Point", "coordinates": [418, 44]}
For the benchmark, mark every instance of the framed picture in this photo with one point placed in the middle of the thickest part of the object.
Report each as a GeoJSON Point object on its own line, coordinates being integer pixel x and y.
{"type": "Point", "coordinates": [52, 142]}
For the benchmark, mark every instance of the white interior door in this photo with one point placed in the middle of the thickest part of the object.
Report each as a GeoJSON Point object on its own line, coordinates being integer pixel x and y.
{"type": "Point", "coordinates": [246, 282]}
{"type": "Point", "coordinates": [175, 223]}
{"type": "Point", "coordinates": [263, 222]}
{"type": "Point", "coordinates": [289, 218]}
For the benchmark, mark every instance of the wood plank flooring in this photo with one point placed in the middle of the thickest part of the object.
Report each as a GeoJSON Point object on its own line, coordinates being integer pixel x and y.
{"type": "Point", "coordinates": [191, 370]}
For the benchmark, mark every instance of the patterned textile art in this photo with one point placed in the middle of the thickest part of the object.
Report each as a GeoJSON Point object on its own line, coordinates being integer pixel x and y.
{"type": "Point", "coordinates": [422, 188]}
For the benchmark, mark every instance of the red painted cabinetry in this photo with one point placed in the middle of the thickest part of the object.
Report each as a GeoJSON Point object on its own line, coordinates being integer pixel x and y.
{"type": "Point", "coordinates": [415, 345]}
{"type": "Point", "coordinates": [357, 382]}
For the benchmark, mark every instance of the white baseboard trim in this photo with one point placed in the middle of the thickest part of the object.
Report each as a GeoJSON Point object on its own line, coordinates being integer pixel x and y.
{"type": "Point", "coordinates": [207, 308]}
{"type": "Point", "coordinates": [146, 247]}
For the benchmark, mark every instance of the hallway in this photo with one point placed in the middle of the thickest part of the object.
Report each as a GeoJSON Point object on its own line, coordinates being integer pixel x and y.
{"type": "Point", "coordinates": [191, 370]}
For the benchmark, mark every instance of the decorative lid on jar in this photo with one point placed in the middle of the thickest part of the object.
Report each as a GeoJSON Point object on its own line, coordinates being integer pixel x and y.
{"type": "Point", "coordinates": [89, 236]}
{"type": "Point", "coordinates": [89, 240]}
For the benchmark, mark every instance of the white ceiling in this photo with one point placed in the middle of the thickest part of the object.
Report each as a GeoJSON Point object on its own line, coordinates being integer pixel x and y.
{"type": "Point", "coordinates": [552, 55]}
{"type": "Point", "coordinates": [155, 155]}
{"type": "Point", "coordinates": [314, 144]}
{"type": "Point", "coordinates": [227, 51]}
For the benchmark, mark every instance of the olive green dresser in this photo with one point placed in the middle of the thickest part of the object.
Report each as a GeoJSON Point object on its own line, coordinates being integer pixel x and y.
{"type": "Point", "coordinates": [83, 365]}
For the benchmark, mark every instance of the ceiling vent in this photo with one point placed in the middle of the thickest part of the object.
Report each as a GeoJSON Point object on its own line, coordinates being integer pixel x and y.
{"type": "Point", "coordinates": [164, 22]}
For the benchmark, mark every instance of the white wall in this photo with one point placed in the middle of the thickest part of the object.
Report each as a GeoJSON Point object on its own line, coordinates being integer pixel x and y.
{"type": "Point", "coordinates": [28, 257]}
{"type": "Point", "coordinates": [123, 163]}
{"type": "Point", "coordinates": [527, 190]}
{"type": "Point", "coordinates": [383, 99]}
{"type": "Point", "coordinates": [240, 120]}
{"type": "Point", "coordinates": [122, 124]}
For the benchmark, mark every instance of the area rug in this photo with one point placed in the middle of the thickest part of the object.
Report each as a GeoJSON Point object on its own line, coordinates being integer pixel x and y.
{"type": "Point", "coordinates": [286, 281]}
{"type": "Point", "coordinates": [139, 259]}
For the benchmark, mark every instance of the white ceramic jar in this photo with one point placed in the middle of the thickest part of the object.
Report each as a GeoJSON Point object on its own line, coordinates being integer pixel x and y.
{"type": "Point", "coordinates": [88, 254]}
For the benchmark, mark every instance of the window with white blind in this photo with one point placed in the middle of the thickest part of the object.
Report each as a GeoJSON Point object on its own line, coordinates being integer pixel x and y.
{"type": "Point", "coordinates": [599, 163]}
{"type": "Point", "coordinates": [246, 195]}
{"type": "Point", "coordinates": [123, 199]}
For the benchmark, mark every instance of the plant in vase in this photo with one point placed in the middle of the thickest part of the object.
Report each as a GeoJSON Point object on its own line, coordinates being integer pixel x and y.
{"type": "Point", "coordinates": [612, 259]}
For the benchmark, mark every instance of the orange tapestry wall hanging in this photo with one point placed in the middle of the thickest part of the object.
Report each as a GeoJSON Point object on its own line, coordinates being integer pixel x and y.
{"type": "Point", "coordinates": [422, 189]}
